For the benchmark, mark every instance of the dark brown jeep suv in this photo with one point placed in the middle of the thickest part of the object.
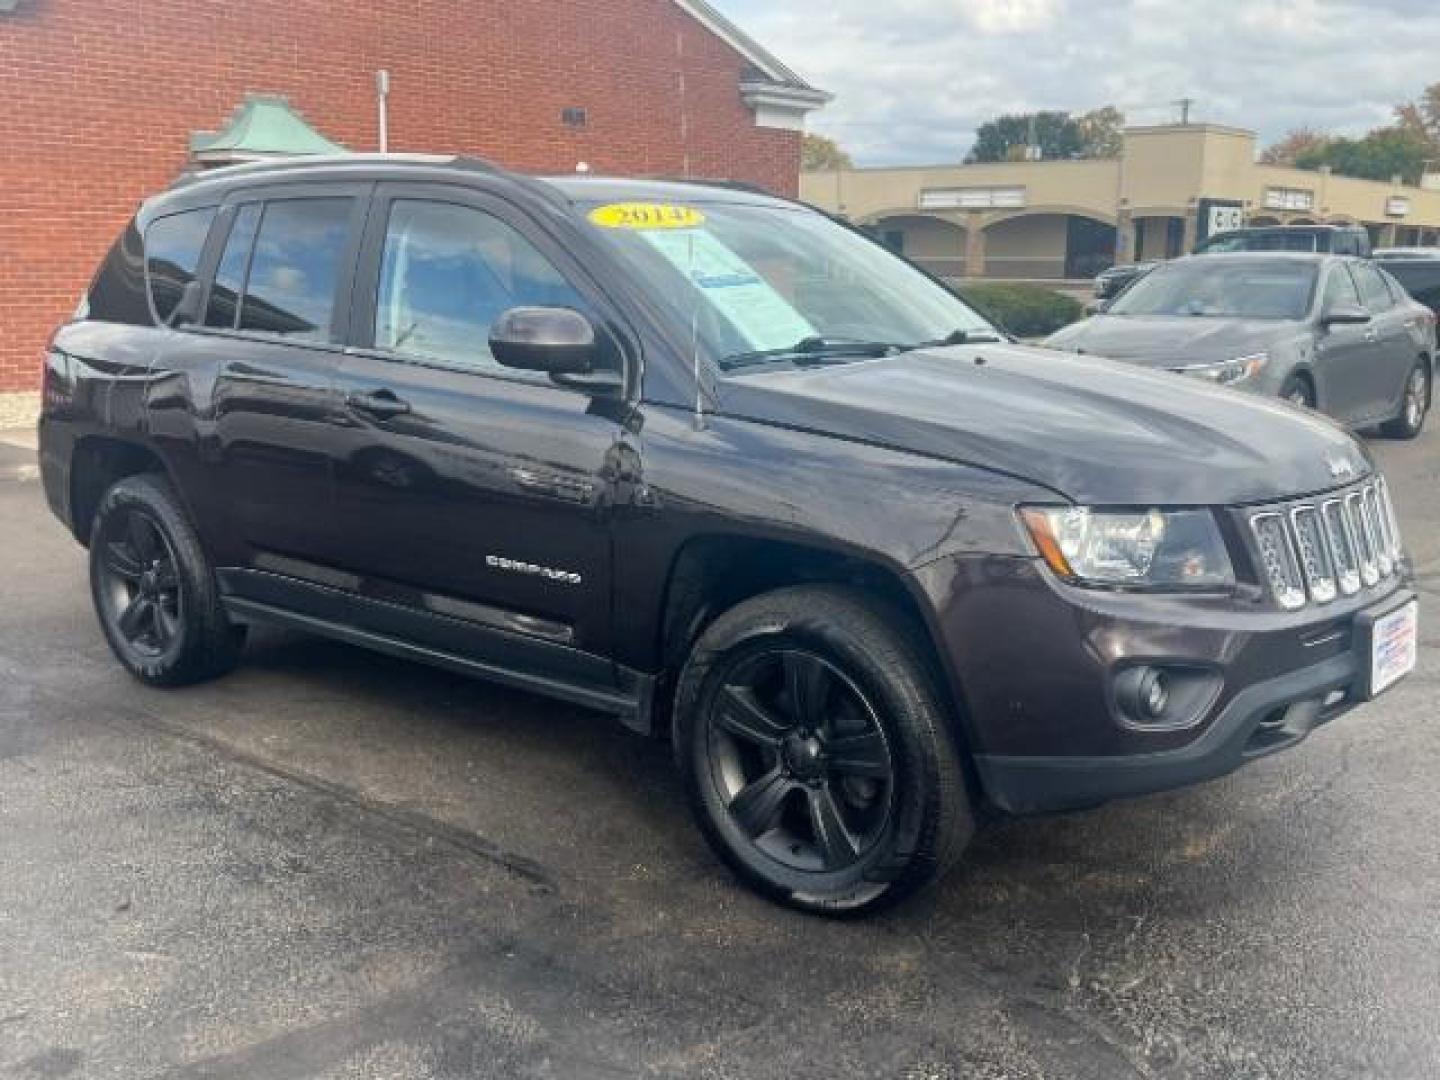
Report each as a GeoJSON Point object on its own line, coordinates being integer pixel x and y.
{"type": "Point", "coordinates": [720, 465]}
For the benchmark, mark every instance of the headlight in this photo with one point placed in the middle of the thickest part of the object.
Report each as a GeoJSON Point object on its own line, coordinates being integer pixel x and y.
{"type": "Point", "coordinates": [1154, 549]}
{"type": "Point", "coordinates": [1229, 371]}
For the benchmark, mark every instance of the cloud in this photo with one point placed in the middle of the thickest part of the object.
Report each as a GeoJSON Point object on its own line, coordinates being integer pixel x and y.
{"type": "Point", "coordinates": [914, 78]}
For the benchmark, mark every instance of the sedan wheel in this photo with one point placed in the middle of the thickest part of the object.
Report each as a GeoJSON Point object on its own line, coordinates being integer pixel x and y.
{"type": "Point", "coordinates": [1297, 392]}
{"type": "Point", "coordinates": [1413, 407]}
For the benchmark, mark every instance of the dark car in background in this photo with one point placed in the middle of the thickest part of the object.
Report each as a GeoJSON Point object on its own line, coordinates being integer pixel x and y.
{"type": "Point", "coordinates": [1329, 239]}
{"type": "Point", "coordinates": [1418, 273]}
{"type": "Point", "coordinates": [1333, 333]}
{"type": "Point", "coordinates": [1111, 282]}
{"type": "Point", "coordinates": [1316, 239]}
{"type": "Point", "coordinates": [722, 466]}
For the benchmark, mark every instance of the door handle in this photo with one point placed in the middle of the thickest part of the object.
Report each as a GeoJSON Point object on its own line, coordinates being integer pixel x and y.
{"type": "Point", "coordinates": [381, 404]}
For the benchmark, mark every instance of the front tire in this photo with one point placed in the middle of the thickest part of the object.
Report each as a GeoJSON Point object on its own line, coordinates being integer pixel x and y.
{"type": "Point", "coordinates": [816, 752]}
{"type": "Point", "coordinates": [154, 589]}
{"type": "Point", "coordinates": [1414, 407]}
{"type": "Point", "coordinates": [1299, 392]}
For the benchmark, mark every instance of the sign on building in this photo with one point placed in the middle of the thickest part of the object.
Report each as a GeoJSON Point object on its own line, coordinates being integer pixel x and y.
{"type": "Point", "coordinates": [972, 198]}
{"type": "Point", "coordinates": [1284, 198]}
{"type": "Point", "coordinates": [1219, 215]}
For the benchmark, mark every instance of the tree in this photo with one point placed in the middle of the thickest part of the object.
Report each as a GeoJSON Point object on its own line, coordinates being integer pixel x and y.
{"type": "Point", "coordinates": [1058, 135]}
{"type": "Point", "coordinates": [1380, 155]}
{"type": "Point", "coordinates": [1005, 138]}
{"type": "Point", "coordinates": [1296, 144]}
{"type": "Point", "coordinates": [1421, 119]}
{"type": "Point", "coordinates": [1101, 132]}
{"type": "Point", "coordinates": [819, 154]}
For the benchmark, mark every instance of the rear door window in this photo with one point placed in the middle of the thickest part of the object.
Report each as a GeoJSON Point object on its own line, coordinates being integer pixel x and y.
{"type": "Point", "coordinates": [173, 246]}
{"type": "Point", "coordinates": [1373, 289]}
{"type": "Point", "coordinates": [296, 267]}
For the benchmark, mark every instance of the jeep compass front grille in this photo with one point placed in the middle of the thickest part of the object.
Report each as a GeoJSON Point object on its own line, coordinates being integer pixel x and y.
{"type": "Point", "coordinates": [1312, 552]}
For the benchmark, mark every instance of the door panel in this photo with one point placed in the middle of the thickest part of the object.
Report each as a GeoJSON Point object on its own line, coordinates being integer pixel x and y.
{"type": "Point", "coordinates": [474, 493]}
{"type": "Point", "coordinates": [1392, 351]}
{"type": "Point", "coordinates": [254, 386]}
{"type": "Point", "coordinates": [1343, 352]}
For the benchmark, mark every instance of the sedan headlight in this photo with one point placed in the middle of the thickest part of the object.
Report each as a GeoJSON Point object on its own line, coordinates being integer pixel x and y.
{"type": "Point", "coordinates": [1147, 549]}
{"type": "Point", "coordinates": [1229, 371]}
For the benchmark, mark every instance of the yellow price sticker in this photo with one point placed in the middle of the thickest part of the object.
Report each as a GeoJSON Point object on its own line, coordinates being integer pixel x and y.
{"type": "Point", "coordinates": [646, 216]}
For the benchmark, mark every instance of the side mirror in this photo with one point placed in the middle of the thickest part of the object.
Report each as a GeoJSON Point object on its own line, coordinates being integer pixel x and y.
{"type": "Point", "coordinates": [557, 341]}
{"type": "Point", "coordinates": [1345, 315]}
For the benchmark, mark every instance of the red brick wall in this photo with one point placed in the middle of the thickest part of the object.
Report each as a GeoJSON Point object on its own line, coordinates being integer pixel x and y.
{"type": "Point", "coordinates": [98, 99]}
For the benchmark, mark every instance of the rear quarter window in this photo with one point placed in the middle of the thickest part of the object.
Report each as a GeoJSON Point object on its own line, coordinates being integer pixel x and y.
{"type": "Point", "coordinates": [173, 246]}
{"type": "Point", "coordinates": [117, 294]}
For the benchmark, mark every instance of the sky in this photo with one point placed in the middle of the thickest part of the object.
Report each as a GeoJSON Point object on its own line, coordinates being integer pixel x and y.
{"type": "Point", "coordinates": [912, 79]}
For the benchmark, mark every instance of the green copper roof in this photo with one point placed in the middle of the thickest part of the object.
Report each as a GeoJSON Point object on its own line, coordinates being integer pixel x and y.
{"type": "Point", "coordinates": [264, 126]}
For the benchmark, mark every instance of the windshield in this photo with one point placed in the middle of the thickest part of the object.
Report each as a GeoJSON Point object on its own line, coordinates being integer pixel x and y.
{"type": "Point", "coordinates": [773, 284]}
{"type": "Point", "coordinates": [1221, 289]}
{"type": "Point", "coordinates": [1285, 240]}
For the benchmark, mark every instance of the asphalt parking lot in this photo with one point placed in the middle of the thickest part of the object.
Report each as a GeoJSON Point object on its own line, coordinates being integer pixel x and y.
{"type": "Point", "coordinates": [336, 865]}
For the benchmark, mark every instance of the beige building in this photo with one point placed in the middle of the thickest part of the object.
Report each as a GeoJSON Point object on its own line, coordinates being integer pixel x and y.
{"type": "Point", "coordinates": [1170, 187]}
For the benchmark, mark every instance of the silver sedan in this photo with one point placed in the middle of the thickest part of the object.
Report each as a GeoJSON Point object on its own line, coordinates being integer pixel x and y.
{"type": "Point", "coordinates": [1328, 332]}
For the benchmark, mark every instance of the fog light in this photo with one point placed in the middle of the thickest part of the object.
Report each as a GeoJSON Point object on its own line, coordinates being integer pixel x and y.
{"type": "Point", "coordinates": [1142, 694]}
{"type": "Point", "coordinates": [1155, 694]}
{"type": "Point", "coordinates": [1165, 697]}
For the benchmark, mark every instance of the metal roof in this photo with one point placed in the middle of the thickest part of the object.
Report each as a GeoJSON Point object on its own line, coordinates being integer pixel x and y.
{"type": "Point", "coordinates": [264, 126]}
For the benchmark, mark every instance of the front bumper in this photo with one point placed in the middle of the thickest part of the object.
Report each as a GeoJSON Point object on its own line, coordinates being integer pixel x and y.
{"type": "Point", "coordinates": [1259, 720]}
{"type": "Point", "coordinates": [1036, 663]}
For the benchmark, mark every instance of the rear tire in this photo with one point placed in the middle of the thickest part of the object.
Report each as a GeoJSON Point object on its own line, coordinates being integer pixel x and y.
{"type": "Point", "coordinates": [816, 752]}
{"type": "Point", "coordinates": [1414, 407]}
{"type": "Point", "coordinates": [154, 589]}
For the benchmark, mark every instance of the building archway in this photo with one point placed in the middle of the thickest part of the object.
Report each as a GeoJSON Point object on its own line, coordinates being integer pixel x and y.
{"type": "Point", "coordinates": [1048, 244]}
{"type": "Point", "coordinates": [936, 243]}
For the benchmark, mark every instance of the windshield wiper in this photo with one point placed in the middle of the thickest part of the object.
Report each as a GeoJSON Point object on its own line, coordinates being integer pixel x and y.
{"type": "Point", "coordinates": [956, 337]}
{"type": "Point", "coordinates": [812, 350]}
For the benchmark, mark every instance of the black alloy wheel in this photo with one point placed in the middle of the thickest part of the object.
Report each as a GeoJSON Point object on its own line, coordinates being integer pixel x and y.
{"type": "Point", "coordinates": [797, 751]}
{"type": "Point", "coordinates": [139, 584]}
{"type": "Point", "coordinates": [154, 588]}
{"type": "Point", "coordinates": [817, 750]}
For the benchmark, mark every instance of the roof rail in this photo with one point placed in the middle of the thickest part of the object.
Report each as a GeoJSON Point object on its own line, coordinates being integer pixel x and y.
{"type": "Point", "coordinates": [251, 168]}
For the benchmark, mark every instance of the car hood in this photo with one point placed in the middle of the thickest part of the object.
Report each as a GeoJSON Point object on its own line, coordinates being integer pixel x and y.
{"type": "Point", "coordinates": [1170, 342]}
{"type": "Point", "coordinates": [1094, 431]}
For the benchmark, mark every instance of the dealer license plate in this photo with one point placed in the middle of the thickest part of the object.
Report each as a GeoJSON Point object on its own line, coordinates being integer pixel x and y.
{"type": "Point", "coordinates": [1394, 641]}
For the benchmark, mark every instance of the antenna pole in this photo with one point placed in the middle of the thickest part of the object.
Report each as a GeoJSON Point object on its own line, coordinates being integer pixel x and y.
{"type": "Point", "coordinates": [695, 342]}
